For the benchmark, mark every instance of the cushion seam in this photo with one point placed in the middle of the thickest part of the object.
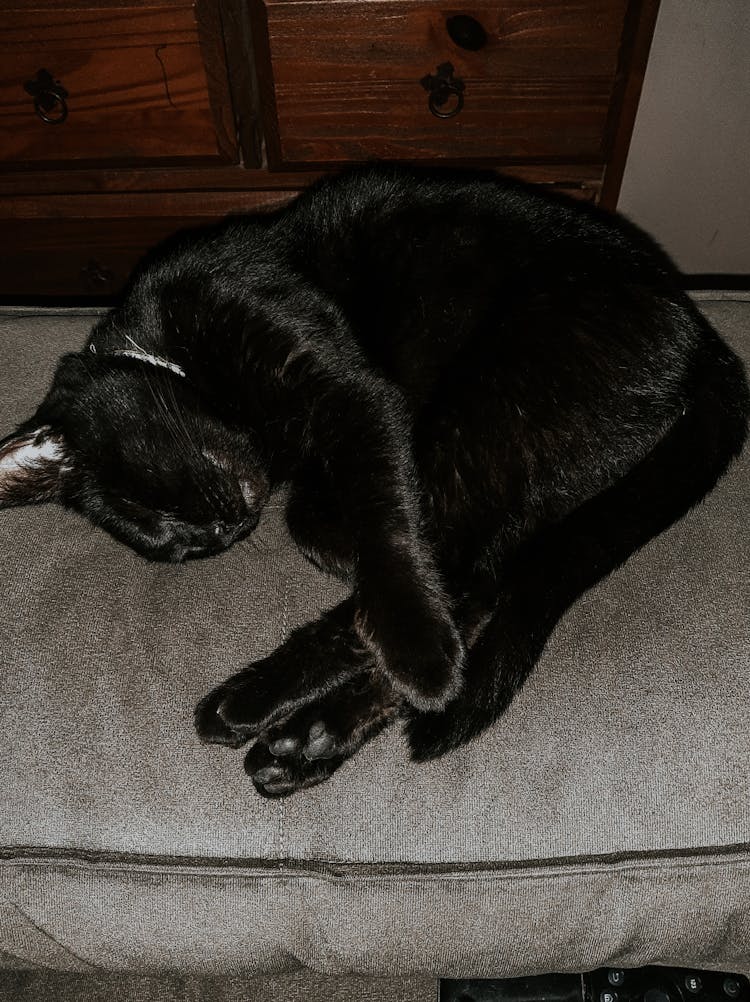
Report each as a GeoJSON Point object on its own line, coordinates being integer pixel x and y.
{"type": "Point", "coordinates": [398, 879]}
{"type": "Point", "coordinates": [343, 871]}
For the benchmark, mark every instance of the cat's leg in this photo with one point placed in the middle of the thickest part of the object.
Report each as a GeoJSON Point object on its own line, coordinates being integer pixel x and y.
{"type": "Point", "coordinates": [316, 524]}
{"type": "Point", "coordinates": [361, 426]}
{"type": "Point", "coordinates": [550, 570]}
{"type": "Point", "coordinates": [315, 701]}
{"type": "Point", "coordinates": [306, 746]}
{"type": "Point", "coordinates": [316, 657]}
{"type": "Point", "coordinates": [505, 623]}
{"type": "Point", "coordinates": [316, 660]}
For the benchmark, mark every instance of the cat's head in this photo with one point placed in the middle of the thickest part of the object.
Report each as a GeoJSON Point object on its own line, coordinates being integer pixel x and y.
{"type": "Point", "coordinates": [125, 439]}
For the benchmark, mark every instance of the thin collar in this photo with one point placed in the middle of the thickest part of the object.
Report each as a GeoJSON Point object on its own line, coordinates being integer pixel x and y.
{"type": "Point", "coordinates": [141, 355]}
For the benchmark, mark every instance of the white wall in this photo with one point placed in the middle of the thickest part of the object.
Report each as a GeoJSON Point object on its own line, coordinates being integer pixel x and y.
{"type": "Point", "coordinates": [687, 178]}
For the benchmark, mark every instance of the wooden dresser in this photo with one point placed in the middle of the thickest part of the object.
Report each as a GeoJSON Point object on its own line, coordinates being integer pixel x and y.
{"type": "Point", "coordinates": [123, 122]}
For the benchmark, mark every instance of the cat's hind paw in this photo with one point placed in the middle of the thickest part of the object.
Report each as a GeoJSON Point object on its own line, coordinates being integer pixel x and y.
{"type": "Point", "coordinates": [281, 764]}
{"type": "Point", "coordinates": [310, 745]}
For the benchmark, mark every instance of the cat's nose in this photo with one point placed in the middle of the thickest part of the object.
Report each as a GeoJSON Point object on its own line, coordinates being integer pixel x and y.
{"type": "Point", "coordinates": [249, 494]}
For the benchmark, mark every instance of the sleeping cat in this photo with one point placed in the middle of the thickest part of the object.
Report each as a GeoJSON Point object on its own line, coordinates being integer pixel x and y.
{"type": "Point", "coordinates": [482, 400]}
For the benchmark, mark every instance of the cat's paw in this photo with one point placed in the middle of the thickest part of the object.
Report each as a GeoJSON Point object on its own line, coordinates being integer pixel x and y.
{"type": "Point", "coordinates": [288, 759]}
{"type": "Point", "coordinates": [309, 746]}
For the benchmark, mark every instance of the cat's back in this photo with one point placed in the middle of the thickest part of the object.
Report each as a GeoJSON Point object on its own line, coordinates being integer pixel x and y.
{"type": "Point", "coordinates": [379, 203]}
{"type": "Point", "coordinates": [428, 265]}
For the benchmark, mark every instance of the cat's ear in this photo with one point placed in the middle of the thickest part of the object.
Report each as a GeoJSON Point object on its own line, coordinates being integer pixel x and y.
{"type": "Point", "coordinates": [31, 463]}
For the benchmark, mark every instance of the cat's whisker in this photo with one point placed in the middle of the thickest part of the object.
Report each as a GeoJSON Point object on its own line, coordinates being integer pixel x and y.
{"type": "Point", "coordinates": [178, 415]}
{"type": "Point", "coordinates": [175, 424]}
{"type": "Point", "coordinates": [214, 499]}
{"type": "Point", "coordinates": [156, 389]}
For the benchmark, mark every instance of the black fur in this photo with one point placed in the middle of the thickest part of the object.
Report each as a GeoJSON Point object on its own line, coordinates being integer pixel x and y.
{"type": "Point", "coordinates": [484, 399]}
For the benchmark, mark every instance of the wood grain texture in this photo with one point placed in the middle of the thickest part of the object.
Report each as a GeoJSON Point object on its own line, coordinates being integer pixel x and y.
{"type": "Point", "coordinates": [220, 179]}
{"type": "Point", "coordinates": [168, 100]}
{"type": "Point", "coordinates": [136, 81]}
{"type": "Point", "coordinates": [208, 14]}
{"type": "Point", "coordinates": [343, 79]}
{"type": "Point", "coordinates": [243, 83]}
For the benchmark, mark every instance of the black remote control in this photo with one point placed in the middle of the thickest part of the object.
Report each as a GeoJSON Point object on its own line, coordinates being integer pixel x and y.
{"type": "Point", "coordinates": [608, 984]}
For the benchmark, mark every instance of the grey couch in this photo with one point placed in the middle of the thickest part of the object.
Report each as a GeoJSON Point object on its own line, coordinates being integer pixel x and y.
{"type": "Point", "coordinates": [604, 820]}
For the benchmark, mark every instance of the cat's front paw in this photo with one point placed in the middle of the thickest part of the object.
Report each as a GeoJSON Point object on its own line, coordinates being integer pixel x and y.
{"type": "Point", "coordinates": [241, 707]}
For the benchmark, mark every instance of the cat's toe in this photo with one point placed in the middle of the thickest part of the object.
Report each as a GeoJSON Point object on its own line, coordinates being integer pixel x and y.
{"type": "Point", "coordinates": [268, 775]}
{"type": "Point", "coordinates": [284, 746]}
{"type": "Point", "coordinates": [211, 726]}
{"type": "Point", "coordinates": [276, 777]}
{"type": "Point", "coordinates": [321, 743]}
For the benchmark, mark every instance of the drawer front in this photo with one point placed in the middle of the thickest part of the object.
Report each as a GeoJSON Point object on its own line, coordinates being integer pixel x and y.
{"type": "Point", "coordinates": [349, 80]}
{"type": "Point", "coordinates": [117, 84]}
{"type": "Point", "coordinates": [87, 245]}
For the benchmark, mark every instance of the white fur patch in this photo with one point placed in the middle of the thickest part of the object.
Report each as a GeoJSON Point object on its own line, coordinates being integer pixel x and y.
{"type": "Point", "coordinates": [30, 455]}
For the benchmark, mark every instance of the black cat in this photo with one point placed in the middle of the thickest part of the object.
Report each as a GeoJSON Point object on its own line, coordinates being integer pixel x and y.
{"type": "Point", "coordinates": [483, 399]}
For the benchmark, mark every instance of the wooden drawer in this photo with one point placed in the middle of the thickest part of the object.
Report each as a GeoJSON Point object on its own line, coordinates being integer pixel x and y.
{"type": "Point", "coordinates": [344, 79]}
{"type": "Point", "coordinates": [136, 80]}
{"type": "Point", "coordinates": [65, 246]}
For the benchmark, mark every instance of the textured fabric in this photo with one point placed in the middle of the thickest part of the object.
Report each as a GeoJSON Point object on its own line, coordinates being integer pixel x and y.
{"type": "Point", "coordinates": [30, 986]}
{"type": "Point", "coordinates": [605, 819]}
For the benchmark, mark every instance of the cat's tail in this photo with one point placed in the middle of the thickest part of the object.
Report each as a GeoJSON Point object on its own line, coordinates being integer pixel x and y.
{"type": "Point", "coordinates": [552, 569]}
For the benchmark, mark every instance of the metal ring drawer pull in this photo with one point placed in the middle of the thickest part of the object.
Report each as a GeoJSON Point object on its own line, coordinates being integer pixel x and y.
{"type": "Point", "coordinates": [445, 92]}
{"type": "Point", "coordinates": [49, 98]}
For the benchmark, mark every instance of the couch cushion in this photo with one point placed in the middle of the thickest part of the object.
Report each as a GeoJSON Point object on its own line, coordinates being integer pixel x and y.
{"type": "Point", "coordinates": [603, 820]}
{"type": "Point", "coordinates": [303, 986]}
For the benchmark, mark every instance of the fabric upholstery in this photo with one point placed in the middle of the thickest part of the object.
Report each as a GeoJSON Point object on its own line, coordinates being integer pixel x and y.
{"type": "Point", "coordinates": [604, 820]}
{"type": "Point", "coordinates": [57, 986]}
